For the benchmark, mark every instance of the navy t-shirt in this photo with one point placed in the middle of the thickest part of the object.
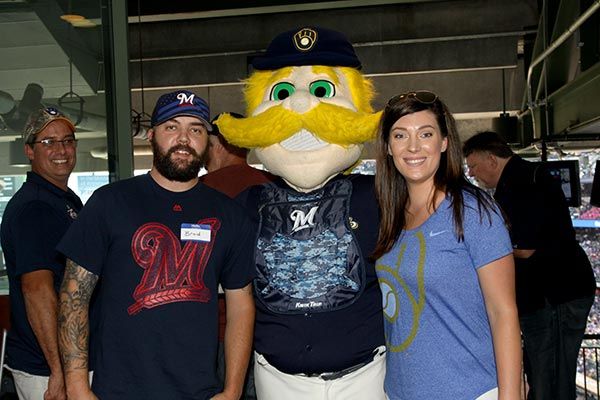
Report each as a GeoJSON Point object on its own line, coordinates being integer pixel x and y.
{"type": "Point", "coordinates": [308, 339]}
{"type": "Point", "coordinates": [33, 223]}
{"type": "Point", "coordinates": [157, 294]}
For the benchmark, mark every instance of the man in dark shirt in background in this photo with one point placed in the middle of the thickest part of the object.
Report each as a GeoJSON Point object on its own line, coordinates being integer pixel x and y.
{"type": "Point", "coordinates": [554, 278]}
{"type": "Point", "coordinates": [34, 221]}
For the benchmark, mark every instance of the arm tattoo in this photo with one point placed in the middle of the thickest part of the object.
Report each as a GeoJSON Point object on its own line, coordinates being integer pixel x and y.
{"type": "Point", "coordinates": [73, 325]}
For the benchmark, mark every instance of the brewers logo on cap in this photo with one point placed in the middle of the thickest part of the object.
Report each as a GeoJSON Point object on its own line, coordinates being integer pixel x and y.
{"type": "Point", "coordinates": [305, 39]}
{"type": "Point", "coordinates": [180, 103]}
{"type": "Point", "coordinates": [307, 45]}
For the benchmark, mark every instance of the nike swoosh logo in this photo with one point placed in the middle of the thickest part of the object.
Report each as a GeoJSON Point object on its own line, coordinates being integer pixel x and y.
{"type": "Point", "coordinates": [432, 233]}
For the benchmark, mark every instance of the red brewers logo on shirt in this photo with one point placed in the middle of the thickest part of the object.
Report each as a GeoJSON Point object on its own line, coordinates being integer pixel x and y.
{"type": "Point", "coordinates": [172, 273]}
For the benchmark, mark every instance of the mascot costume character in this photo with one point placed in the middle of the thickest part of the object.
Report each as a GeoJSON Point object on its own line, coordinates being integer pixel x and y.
{"type": "Point", "coordinates": [319, 324]}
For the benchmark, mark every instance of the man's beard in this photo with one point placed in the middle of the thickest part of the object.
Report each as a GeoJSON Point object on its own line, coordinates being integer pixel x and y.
{"type": "Point", "coordinates": [181, 170]}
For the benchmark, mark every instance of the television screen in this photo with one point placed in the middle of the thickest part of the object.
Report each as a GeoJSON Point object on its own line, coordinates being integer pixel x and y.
{"type": "Point", "coordinates": [566, 174]}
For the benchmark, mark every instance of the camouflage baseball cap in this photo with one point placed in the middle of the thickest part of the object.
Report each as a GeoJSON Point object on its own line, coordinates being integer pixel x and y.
{"type": "Point", "coordinates": [39, 119]}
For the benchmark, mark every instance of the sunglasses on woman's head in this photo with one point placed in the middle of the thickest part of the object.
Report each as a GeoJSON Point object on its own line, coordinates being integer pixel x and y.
{"type": "Point", "coordinates": [422, 96]}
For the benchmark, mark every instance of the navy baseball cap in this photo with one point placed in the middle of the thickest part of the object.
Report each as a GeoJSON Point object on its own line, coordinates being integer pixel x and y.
{"type": "Point", "coordinates": [308, 46]}
{"type": "Point", "coordinates": [181, 102]}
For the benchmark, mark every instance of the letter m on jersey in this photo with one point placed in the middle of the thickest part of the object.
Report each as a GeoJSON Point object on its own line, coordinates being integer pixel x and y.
{"type": "Point", "coordinates": [172, 273]}
{"type": "Point", "coordinates": [303, 220]}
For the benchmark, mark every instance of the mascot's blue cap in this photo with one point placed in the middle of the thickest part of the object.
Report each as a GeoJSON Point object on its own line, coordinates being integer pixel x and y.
{"type": "Point", "coordinates": [308, 46]}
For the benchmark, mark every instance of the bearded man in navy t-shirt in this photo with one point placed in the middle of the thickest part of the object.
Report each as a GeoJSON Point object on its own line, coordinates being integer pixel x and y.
{"type": "Point", "coordinates": [156, 247]}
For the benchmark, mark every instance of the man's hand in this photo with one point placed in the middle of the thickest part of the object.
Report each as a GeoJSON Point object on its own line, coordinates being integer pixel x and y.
{"type": "Point", "coordinates": [80, 391]}
{"type": "Point", "coordinates": [224, 396]}
{"type": "Point", "coordinates": [86, 395]}
{"type": "Point", "coordinates": [56, 388]}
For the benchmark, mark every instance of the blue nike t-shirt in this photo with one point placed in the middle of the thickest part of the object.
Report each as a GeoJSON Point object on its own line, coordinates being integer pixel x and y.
{"type": "Point", "coordinates": [437, 330]}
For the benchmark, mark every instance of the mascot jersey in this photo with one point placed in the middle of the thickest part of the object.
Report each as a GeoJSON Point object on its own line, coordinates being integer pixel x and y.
{"type": "Point", "coordinates": [318, 300]}
{"type": "Point", "coordinates": [157, 305]}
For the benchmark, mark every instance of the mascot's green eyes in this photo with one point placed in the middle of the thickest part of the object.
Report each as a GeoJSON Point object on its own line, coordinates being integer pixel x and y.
{"type": "Point", "coordinates": [282, 91]}
{"type": "Point", "coordinates": [322, 89]}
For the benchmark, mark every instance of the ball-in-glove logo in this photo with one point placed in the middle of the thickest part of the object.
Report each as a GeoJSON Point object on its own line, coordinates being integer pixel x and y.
{"type": "Point", "coordinates": [305, 39]}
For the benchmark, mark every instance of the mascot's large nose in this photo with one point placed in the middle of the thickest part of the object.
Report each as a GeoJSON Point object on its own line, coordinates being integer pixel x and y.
{"type": "Point", "coordinates": [301, 101]}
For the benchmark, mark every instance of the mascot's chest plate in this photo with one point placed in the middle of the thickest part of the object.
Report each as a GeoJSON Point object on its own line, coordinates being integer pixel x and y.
{"type": "Point", "coordinates": [308, 259]}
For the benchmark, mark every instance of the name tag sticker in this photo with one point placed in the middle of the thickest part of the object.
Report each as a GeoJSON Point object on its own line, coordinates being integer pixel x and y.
{"type": "Point", "coordinates": [195, 232]}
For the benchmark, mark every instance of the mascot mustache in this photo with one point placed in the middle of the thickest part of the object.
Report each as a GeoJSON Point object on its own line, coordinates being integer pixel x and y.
{"type": "Point", "coordinates": [331, 123]}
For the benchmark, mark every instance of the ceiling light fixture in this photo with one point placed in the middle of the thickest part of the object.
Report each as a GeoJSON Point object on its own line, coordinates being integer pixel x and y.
{"type": "Point", "coordinates": [71, 17]}
{"type": "Point", "coordinates": [506, 125]}
{"type": "Point", "coordinates": [83, 23]}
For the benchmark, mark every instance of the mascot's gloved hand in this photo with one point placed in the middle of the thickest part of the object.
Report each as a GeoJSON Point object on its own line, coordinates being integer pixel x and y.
{"type": "Point", "coordinates": [309, 108]}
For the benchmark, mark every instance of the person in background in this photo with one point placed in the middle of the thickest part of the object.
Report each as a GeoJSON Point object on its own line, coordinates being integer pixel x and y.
{"type": "Point", "coordinates": [554, 278]}
{"type": "Point", "coordinates": [228, 169]}
{"type": "Point", "coordinates": [229, 173]}
{"type": "Point", "coordinates": [444, 263]}
{"type": "Point", "coordinates": [157, 246]}
{"type": "Point", "coordinates": [34, 221]}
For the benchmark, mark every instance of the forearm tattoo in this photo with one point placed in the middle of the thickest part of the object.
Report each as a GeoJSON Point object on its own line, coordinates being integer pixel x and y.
{"type": "Point", "coordinates": [73, 325]}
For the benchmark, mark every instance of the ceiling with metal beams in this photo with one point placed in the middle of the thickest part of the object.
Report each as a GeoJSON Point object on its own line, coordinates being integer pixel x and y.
{"type": "Point", "coordinates": [473, 53]}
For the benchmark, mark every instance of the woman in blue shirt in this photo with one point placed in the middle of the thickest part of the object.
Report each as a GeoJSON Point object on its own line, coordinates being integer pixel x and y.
{"type": "Point", "coordinates": [444, 263]}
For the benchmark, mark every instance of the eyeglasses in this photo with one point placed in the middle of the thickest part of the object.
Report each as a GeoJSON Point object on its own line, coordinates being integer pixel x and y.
{"type": "Point", "coordinates": [53, 143]}
{"type": "Point", "coordinates": [422, 96]}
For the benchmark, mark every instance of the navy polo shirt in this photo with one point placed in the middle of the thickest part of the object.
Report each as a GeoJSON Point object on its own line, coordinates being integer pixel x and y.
{"type": "Point", "coordinates": [559, 270]}
{"type": "Point", "coordinates": [34, 221]}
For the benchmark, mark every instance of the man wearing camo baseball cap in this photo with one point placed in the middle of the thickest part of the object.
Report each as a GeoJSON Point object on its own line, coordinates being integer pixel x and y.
{"type": "Point", "coordinates": [34, 221]}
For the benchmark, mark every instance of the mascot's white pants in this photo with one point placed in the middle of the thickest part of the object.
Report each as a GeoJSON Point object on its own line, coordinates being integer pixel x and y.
{"type": "Point", "coordinates": [364, 383]}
